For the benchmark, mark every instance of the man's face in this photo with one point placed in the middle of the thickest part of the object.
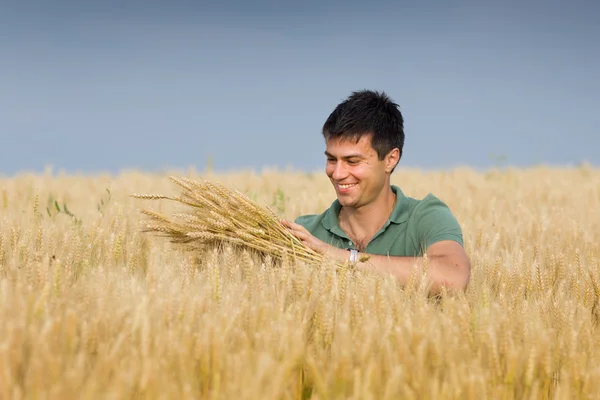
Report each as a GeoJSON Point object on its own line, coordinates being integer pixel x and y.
{"type": "Point", "coordinates": [355, 171]}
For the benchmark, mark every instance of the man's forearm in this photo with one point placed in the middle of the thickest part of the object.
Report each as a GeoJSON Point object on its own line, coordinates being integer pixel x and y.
{"type": "Point", "coordinates": [441, 270]}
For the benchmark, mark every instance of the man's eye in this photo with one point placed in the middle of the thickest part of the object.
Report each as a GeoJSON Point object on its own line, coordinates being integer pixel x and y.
{"type": "Point", "coordinates": [353, 162]}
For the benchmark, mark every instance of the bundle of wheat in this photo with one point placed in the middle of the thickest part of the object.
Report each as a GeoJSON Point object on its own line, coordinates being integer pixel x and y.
{"type": "Point", "coordinates": [218, 215]}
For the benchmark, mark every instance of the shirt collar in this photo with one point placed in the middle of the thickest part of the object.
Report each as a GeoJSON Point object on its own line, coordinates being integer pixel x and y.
{"type": "Point", "coordinates": [401, 209]}
{"type": "Point", "coordinates": [399, 213]}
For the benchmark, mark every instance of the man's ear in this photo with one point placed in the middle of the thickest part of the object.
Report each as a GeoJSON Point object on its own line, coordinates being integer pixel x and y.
{"type": "Point", "coordinates": [391, 160]}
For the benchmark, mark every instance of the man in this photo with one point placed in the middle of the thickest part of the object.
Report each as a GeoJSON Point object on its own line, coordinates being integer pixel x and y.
{"type": "Point", "coordinates": [364, 139]}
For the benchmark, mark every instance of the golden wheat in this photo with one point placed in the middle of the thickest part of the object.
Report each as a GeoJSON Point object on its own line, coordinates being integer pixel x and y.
{"type": "Point", "coordinates": [93, 308]}
{"type": "Point", "coordinates": [216, 215]}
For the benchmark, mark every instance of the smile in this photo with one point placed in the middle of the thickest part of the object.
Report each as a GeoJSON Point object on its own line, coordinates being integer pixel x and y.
{"type": "Point", "coordinates": [347, 186]}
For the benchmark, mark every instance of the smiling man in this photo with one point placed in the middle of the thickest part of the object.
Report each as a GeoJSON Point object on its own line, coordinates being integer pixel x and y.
{"type": "Point", "coordinates": [364, 139]}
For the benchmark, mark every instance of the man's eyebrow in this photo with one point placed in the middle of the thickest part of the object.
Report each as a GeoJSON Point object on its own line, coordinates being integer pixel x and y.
{"type": "Point", "coordinates": [354, 155]}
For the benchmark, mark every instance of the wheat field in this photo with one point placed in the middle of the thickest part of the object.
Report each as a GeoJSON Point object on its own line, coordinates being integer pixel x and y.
{"type": "Point", "coordinates": [91, 307]}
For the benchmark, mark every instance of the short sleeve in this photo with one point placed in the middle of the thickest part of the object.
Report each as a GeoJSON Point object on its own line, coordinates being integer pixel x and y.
{"type": "Point", "coordinates": [435, 222]}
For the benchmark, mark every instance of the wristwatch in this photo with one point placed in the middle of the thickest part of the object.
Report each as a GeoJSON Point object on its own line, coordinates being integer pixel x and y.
{"type": "Point", "coordinates": [353, 256]}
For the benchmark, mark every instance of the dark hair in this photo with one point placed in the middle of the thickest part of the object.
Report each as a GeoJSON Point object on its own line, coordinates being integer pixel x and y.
{"type": "Point", "coordinates": [368, 112]}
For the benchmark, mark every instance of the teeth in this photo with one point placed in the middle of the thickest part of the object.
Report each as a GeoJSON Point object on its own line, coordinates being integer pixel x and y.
{"type": "Point", "coordinates": [347, 186]}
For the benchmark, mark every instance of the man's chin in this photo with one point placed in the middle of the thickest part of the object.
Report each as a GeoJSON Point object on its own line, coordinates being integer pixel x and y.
{"type": "Point", "coordinates": [345, 201]}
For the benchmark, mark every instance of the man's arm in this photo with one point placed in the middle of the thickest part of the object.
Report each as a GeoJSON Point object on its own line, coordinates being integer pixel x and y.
{"type": "Point", "coordinates": [447, 262]}
{"type": "Point", "coordinates": [448, 265]}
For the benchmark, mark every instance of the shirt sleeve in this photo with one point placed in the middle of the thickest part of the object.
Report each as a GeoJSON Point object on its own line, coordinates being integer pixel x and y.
{"type": "Point", "coordinates": [435, 222]}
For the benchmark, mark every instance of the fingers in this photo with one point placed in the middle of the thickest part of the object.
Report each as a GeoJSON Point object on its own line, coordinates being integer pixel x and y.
{"type": "Point", "coordinates": [298, 233]}
{"type": "Point", "coordinates": [291, 225]}
{"type": "Point", "coordinates": [296, 229]}
{"type": "Point", "coordinates": [302, 234]}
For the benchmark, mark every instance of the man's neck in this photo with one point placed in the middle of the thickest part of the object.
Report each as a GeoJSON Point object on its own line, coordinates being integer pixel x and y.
{"type": "Point", "coordinates": [362, 223]}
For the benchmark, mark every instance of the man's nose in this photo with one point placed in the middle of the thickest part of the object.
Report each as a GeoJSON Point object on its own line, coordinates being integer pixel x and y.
{"type": "Point", "coordinates": [339, 172]}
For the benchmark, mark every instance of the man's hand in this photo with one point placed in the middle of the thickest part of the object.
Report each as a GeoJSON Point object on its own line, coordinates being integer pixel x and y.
{"type": "Point", "coordinates": [305, 236]}
{"type": "Point", "coordinates": [319, 246]}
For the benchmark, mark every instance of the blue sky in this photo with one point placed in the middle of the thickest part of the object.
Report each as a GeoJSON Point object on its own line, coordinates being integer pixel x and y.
{"type": "Point", "coordinates": [105, 86]}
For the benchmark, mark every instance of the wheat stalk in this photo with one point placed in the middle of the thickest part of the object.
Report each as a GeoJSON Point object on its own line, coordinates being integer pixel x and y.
{"type": "Point", "coordinates": [217, 215]}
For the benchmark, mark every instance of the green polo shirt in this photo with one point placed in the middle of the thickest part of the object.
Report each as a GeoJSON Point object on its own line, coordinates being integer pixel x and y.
{"type": "Point", "coordinates": [412, 227]}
